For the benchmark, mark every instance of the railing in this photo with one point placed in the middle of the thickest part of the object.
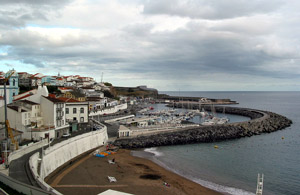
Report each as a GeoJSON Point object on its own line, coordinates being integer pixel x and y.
{"type": "Point", "coordinates": [59, 117]}
{"type": "Point", "coordinates": [22, 187]}
{"type": "Point", "coordinates": [75, 144]}
{"type": "Point", "coordinates": [19, 153]}
{"type": "Point", "coordinates": [59, 109]}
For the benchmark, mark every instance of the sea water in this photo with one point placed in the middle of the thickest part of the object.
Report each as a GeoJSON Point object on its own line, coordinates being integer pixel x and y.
{"type": "Point", "coordinates": [233, 167]}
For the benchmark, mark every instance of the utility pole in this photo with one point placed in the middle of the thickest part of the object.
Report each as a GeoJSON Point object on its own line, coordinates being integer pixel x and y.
{"type": "Point", "coordinates": [102, 77]}
{"type": "Point", "coordinates": [5, 111]}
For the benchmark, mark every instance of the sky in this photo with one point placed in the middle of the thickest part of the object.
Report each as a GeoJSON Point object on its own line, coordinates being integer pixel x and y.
{"type": "Point", "coordinates": [171, 45]}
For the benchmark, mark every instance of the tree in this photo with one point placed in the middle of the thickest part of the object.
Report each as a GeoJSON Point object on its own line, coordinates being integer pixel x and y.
{"type": "Point", "coordinates": [108, 94]}
{"type": "Point", "coordinates": [108, 84]}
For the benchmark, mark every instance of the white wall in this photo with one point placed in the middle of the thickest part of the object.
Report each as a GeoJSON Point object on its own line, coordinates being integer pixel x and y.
{"type": "Point", "coordinates": [62, 152]}
{"type": "Point", "coordinates": [47, 111]}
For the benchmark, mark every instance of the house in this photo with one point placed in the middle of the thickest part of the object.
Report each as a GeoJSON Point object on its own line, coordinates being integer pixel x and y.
{"type": "Point", "coordinates": [25, 116]}
{"type": "Point", "coordinates": [111, 103]}
{"type": "Point", "coordinates": [75, 94]}
{"type": "Point", "coordinates": [35, 112]}
{"type": "Point", "coordinates": [53, 112]}
{"type": "Point", "coordinates": [48, 80]}
{"type": "Point", "coordinates": [77, 113]}
{"type": "Point", "coordinates": [65, 89]}
{"type": "Point", "coordinates": [19, 118]}
{"type": "Point", "coordinates": [91, 92]}
{"type": "Point", "coordinates": [36, 79]}
{"type": "Point", "coordinates": [12, 86]}
{"type": "Point", "coordinates": [24, 79]}
{"type": "Point", "coordinates": [60, 81]}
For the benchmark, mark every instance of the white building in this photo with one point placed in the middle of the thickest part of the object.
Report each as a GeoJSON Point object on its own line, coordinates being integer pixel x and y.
{"type": "Point", "coordinates": [53, 112]}
{"type": "Point", "coordinates": [18, 117]}
{"type": "Point", "coordinates": [77, 113]}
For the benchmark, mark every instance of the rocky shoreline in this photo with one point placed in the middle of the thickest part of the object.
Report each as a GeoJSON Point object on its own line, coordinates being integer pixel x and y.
{"type": "Point", "coordinates": [261, 122]}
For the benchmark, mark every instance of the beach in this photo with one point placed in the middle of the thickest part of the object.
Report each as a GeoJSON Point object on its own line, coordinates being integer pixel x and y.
{"type": "Point", "coordinates": [135, 175]}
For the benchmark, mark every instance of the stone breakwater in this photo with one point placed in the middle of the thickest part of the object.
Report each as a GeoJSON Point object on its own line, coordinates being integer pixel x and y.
{"type": "Point", "coordinates": [261, 122]}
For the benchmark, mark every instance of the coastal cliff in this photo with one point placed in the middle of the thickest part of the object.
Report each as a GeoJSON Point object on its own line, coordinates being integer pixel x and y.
{"type": "Point", "coordinates": [261, 122]}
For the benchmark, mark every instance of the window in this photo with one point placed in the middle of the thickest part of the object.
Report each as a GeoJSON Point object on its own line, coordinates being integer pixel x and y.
{"type": "Point", "coordinates": [14, 93]}
{"type": "Point", "coordinates": [81, 119]}
{"type": "Point", "coordinates": [67, 110]}
{"type": "Point", "coordinates": [81, 110]}
{"type": "Point", "coordinates": [74, 110]}
{"type": "Point", "coordinates": [14, 83]}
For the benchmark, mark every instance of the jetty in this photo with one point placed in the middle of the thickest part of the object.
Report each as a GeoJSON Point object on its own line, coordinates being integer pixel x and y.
{"type": "Point", "coordinates": [163, 98]}
{"type": "Point", "coordinates": [261, 122]}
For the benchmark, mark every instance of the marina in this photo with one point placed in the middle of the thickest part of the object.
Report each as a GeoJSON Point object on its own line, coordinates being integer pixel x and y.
{"type": "Point", "coordinates": [159, 118]}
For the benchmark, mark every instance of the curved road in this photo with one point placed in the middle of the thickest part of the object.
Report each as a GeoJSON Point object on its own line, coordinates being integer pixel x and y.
{"type": "Point", "coordinates": [19, 168]}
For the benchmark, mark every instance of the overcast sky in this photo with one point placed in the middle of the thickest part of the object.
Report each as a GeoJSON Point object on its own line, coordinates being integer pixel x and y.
{"type": "Point", "coordinates": [167, 44]}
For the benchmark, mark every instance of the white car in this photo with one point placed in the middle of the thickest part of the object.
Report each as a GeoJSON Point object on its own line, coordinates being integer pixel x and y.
{"type": "Point", "coordinates": [66, 135]}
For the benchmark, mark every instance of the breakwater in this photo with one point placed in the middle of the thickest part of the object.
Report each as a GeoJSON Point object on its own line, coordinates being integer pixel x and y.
{"type": "Point", "coordinates": [261, 122]}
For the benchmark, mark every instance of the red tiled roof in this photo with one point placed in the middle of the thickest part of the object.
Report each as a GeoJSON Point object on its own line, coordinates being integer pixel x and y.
{"type": "Point", "coordinates": [23, 97]}
{"type": "Point", "coordinates": [64, 88]}
{"type": "Point", "coordinates": [29, 102]}
{"type": "Point", "coordinates": [54, 100]}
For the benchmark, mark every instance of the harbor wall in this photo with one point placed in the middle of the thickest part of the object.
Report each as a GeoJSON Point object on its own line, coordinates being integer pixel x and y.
{"type": "Point", "coordinates": [261, 122]}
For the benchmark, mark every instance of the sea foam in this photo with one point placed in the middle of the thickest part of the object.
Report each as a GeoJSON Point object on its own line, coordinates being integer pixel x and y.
{"type": "Point", "coordinates": [154, 151]}
{"type": "Point", "coordinates": [207, 184]}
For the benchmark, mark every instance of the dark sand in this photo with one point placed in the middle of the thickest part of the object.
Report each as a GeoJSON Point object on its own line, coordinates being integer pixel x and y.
{"type": "Point", "coordinates": [134, 175]}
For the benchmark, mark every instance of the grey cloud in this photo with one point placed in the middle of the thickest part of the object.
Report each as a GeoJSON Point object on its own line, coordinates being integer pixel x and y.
{"type": "Point", "coordinates": [23, 11]}
{"type": "Point", "coordinates": [199, 50]}
{"type": "Point", "coordinates": [34, 2]}
{"type": "Point", "coordinates": [211, 9]}
{"type": "Point", "coordinates": [33, 61]}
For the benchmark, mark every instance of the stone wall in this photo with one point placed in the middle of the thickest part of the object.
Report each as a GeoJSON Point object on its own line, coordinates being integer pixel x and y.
{"type": "Point", "coordinates": [261, 122]}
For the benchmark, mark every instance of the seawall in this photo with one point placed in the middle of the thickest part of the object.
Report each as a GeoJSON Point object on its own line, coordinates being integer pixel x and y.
{"type": "Point", "coordinates": [42, 165]}
{"type": "Point", "coordinates": [261, 122]}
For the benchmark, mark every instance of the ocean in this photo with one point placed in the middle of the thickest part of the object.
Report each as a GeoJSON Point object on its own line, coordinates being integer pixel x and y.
{"type": "Point", "coordinates": [233, 167]}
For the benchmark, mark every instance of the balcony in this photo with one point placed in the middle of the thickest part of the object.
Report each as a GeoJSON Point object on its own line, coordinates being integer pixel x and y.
{"type": "Point", "coordinates": [59, 117]}
{"type": "Point", "coordinates": [59, 109]}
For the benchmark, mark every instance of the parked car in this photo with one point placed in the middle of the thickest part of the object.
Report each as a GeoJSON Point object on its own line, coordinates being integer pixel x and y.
{"type": "Point", "coordinates": [66, 135]}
